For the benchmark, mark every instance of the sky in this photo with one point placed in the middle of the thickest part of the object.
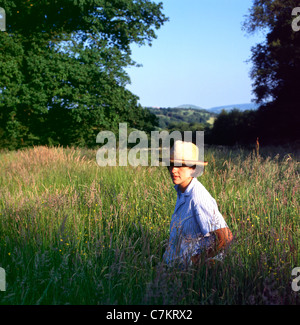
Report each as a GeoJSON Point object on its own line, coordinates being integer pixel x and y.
{"type": "Point", "coordinates": [198, 58]}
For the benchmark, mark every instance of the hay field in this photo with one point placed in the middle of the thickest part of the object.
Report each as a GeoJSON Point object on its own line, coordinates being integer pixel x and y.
{"type": "Point", "coordinates": [72, 232]}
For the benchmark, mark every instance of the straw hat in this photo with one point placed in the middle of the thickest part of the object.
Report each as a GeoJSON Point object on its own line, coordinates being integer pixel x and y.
{"type": "Point", "coordinates": [185, 153]}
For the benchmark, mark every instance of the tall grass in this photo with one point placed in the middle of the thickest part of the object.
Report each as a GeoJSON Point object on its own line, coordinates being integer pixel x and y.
{"type": "Point", "coordinates": [72, 232]}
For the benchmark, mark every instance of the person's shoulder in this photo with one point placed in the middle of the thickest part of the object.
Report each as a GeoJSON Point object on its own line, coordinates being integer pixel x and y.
{"type": "Point", "coordinates": [198, 186]}
{"type": "Point", "coordinates": [199, 191]}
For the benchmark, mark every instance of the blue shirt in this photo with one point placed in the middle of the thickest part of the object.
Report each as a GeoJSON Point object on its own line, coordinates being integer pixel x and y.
{"type": "Point", "coordinates": [196, 214]}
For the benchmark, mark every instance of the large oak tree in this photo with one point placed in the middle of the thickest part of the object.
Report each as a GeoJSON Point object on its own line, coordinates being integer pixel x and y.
{"type": "Point", "coordinates": [62, 68]}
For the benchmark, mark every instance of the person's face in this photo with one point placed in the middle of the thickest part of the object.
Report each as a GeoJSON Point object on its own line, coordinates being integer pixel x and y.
{"type": "Point", "coordinates": [181, 175]}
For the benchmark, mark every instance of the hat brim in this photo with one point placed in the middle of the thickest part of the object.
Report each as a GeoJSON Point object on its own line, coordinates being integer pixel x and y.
{"type": "Point", "coordinates": [185, 162]}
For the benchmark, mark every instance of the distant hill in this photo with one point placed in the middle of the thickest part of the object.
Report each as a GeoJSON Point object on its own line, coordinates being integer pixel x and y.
{"type": "Point", "coordinates": [169, 117]}
{"type": "Point", "coordinates": [187, 106]}
{"type": "Point", "coordinates": [191, 114]}
{"type": "Point", "coordinates": [218, 109]}
{"type": "Point", "coordinates": [227, 108]}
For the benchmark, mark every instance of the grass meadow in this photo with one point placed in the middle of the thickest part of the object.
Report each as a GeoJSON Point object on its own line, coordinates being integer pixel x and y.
{"type": "Point", "coordinates": [72, 232]}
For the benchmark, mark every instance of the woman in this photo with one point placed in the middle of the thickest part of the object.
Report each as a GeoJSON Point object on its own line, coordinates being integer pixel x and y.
{"type": "Point", "coordinates": [197, 229]}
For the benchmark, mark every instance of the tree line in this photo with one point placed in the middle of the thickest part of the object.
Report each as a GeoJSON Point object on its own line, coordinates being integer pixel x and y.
{"type": "Point", "coordinates": [275, 73]}
{"type": "Point", "coordinates": [63, 78]}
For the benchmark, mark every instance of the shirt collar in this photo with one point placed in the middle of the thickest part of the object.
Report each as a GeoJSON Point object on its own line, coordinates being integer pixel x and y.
{"type": "Point", "coordinates": [188, 190]}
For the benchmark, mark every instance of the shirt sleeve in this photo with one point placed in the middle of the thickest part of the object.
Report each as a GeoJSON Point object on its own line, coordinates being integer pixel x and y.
{"type": "Point", "coordinates": [206, 212]}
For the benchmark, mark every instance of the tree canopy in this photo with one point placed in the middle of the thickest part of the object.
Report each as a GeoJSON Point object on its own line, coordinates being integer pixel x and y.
{"type": "Point", "coordinates": [276, 69]}
{"type": "Point", "coordinates": [62, 68]}
{"type": "Point", "coordinates": [275, 74]}
{"type": "Point", "coordinates": [276, 62]}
